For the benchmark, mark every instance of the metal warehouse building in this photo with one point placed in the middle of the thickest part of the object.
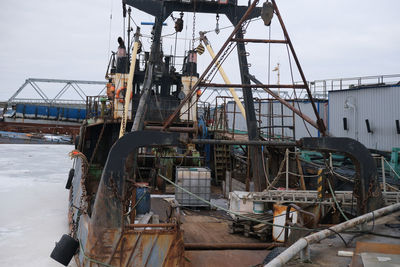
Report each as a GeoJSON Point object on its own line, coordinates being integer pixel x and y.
{"type": "Point", "coordinates": [363, 108]}
{"type": "Point", "coordinates": [369, 114]}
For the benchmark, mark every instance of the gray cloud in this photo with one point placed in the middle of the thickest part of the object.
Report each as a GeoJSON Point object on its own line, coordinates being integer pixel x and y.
{"type": "Point", "coordinates": [70, 39]}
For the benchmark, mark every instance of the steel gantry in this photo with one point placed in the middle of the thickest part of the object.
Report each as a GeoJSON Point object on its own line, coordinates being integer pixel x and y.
{"type": "Point", "coordinates": [74, 85]}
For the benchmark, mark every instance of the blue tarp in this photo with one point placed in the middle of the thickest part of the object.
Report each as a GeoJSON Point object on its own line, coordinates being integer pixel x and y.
{"type": "Point", "coordinates": [82, 114]}
{"type": "Point", "coordinates": [33, 111]}
{"type": "Point", "coordinates": [20, 108]}
{"type": "Point", "coordinates": [42, 111]}
{"type": "Point", "coordinates": [73, 113]}
{"type": "Point", "coordinates": [53, 112]}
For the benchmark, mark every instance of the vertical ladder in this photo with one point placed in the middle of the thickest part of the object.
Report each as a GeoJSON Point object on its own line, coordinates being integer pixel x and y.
{"type": "Point", "coordinates": [221, 162]}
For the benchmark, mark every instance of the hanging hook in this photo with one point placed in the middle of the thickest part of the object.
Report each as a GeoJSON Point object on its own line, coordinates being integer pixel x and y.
{"type": "Point", "coordinates": [267, 12]}
{"type": "Point", "coordinates": [217, 25]}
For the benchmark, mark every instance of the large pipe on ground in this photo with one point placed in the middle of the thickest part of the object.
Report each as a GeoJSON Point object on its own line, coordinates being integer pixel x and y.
{"type": "Point", "coordinates": [302, 243]}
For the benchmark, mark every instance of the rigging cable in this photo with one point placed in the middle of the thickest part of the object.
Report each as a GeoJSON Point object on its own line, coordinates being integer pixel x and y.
{"type": "Point", "coordinates": [271, 130]}
{"type": "Point", "coordinates": [212, 75]}
{"type": "Point", "coordinates": [294, 90]}
{"type": "Point", "coordinates": [124, 22]}
{"type": "Point", "coordinates": [214, 71]}
{"type": "Point", "coordinates": [176, 39]}
{"type": "Point", "coordinates": [109, 31]}
{"type": "Point", "coordinates": [242, 215]}
{"type": "Point", "coordinates": [133, 21]}
{"type": "Point", "coordinates": [186, 29]}
{"type": "Point", "coordinates": [269, 55]}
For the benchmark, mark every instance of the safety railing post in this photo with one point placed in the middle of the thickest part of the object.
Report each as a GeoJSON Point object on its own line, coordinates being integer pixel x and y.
{"type": "Point", "coordinates": [287, 169]}
{"type": "Point", "coordinates": [383, 173]}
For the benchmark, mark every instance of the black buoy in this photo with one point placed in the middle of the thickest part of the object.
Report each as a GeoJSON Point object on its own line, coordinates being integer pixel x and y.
{"type": "Point", "coordinates": [65, 249]}
{"type": "Point", "coordinates": [70, 177]}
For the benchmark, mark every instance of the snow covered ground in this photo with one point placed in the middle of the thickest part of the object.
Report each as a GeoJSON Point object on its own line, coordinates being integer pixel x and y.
{"type": "Point", "coordinates": [33, 202]}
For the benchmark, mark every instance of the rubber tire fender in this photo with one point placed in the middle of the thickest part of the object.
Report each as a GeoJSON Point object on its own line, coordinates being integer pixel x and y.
{"type": "Point", "coordinates": [65, 249]}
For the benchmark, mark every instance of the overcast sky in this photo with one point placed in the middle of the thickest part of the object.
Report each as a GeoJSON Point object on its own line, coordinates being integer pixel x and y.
{"type": "Point", "coordinates": [71, 39]}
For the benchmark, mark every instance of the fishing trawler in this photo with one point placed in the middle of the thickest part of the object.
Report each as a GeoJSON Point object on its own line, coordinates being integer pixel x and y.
{"type": "Point", "coordinates": [151, 134]}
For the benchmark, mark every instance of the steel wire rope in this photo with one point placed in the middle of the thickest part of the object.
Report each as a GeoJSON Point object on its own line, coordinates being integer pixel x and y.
{"type": "Point", "coordinates": [91, 259]}
{"type": "Point", "coordinates": [269, 77]}
{"type": "Point", "coordinates": [133, 39]}
{"type": "Point", "coordinates": [390, 166]}
{"type": "Point", "coordinates": [332, 192]}
{"type": "Point", "coordinates": [269, 82]}
{"type": "Point", "coordinates": [169, 34]}
{"type": "Point", "coordinates": [176, 40]}
{"type": "Point", "coordinates": [334, 199]}
{"type": "Point", "coordinates": [191, 67]}
{"type": "Point", "coordinates": [294, 90]}
{"type": "Point", "coordinates": [236, 213]}
{"type": "Point", "coordinates": [322, 166]}
{"type": "Point", "coordinates": [213, 70]}
{"type": "Point", "coordinates": [213, 91]}
{"type": "Point", "coordinates": [198, 38]}
{"type": "Point", "coordinates": [134, 21]}
{"type": "Point", "coordinates": [109, 31]}
{"type": "Point", "coordinates": [186, 30]}
{"type": "Point", "coordinates": [212, 73]}
{"type": "Point", "coordinates": [269, 54]}
{"type": "Point", "coordinates": [123, 24]}
{"type": "Point", "coordinates": [227, 27]}
{"type": "Point", "coordinates": [371, 233]}
{"type": "Point", "coordinates": [219, 63]}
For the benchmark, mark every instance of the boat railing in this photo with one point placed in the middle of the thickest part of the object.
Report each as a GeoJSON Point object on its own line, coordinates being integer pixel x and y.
{"type": "Point", "coordinates": [98, 107]}
{"type": "Point", "coordinates": [274, 122]}
{"type": "Point", "coordinates": [320, 88]}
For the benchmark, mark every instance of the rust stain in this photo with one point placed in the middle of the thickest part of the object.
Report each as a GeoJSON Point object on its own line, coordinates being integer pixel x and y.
{"type": "Point", "coordinates": [372, 247]}
{"type": "Point", "coordinates": [278, 210]}
{"type": "Point", "coordinates": [201, 258]}
{"type": "Point", "coordinates": [137, 247]}
{"type": "Point", "coordinates": [40, 128]}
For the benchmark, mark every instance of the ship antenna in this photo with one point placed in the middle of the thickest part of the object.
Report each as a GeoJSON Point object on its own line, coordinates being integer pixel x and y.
{"type": "Point", "coordinates": [109, 31]}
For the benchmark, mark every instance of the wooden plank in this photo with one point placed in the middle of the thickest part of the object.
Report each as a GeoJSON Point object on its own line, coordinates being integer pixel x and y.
{"type": "Point", "coordinates": [224, 258]}
{"type": "Point", "coordinates": [206, 229]}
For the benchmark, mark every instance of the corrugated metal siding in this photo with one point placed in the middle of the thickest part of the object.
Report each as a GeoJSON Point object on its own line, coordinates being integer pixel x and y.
{"type": "Point", "coordinates": [300, 128]}
{"type": "Point", "coordinates": [240, 122]}
{"type": "Point", "coordinates": [379, 105]}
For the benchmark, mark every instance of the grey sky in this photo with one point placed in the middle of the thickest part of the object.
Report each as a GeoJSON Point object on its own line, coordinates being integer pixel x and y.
{"type": "Point", "coordinates": [70, 39]}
